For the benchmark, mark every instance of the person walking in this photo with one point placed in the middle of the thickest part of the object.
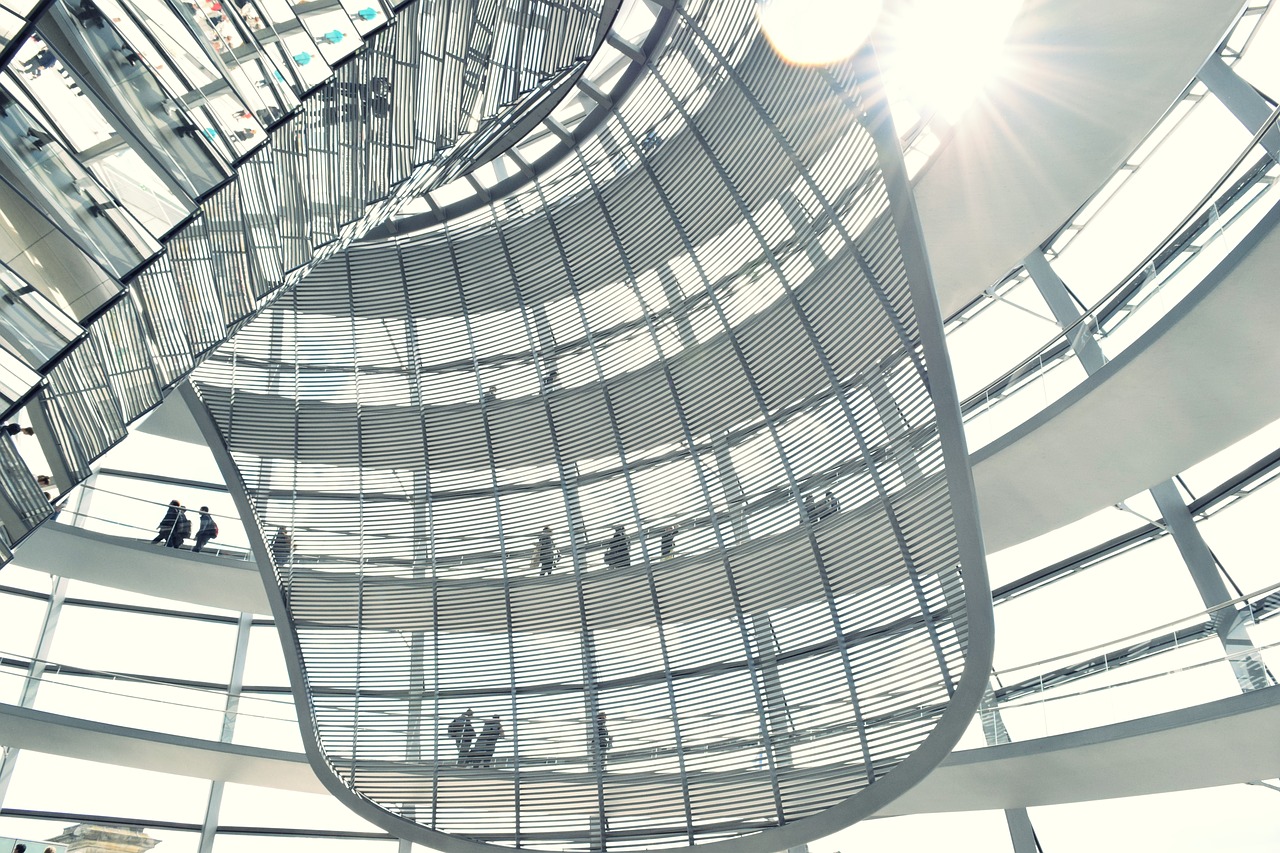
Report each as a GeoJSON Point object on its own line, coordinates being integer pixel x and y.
{"type": "Point", "coordinates": [462, 733]}
{"type": "Point", "coordinates": [181, 529]}
{"type": "Point", "coordinates": [481, 754]}
{"type": "Point", "coordinates": [601, 741]}
{"type": "Point", "coordinates": [618, 555]}
{"type": "Point", "coordinates": [165, 531]}
{"type": "Point", "coordinates": [207, 530]}
{"type": "Point", "coordinates": [282, 547]}
{"type": "Point", "coordinates": [545, 553]}
{"type": "Point", "coordinates": [667, 546]}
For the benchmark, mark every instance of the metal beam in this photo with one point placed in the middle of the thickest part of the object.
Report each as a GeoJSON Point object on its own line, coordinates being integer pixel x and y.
{"type": "Point", "coordinates": [1241, 99]}
{"type": "Point", "coordinates": [1229, 623]}
{"type": "Point", "coordinates": [31, 686]}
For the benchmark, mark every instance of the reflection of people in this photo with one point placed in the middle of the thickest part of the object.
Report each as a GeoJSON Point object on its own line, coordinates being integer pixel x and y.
{"type": "Point", "coordinates": [668, 544]}
{"type": "Point", "coordinates": [14, 429]}
{"type": "Point", "coordinates": [545, 554]}
{"type": "Point", "coordinates": [601, 741]}
{"type": "Point", "coordinates": [332, 37]}
{"type": "Point", "coordinates": [481, 754]}
{"type": "Point", "coordinates": [42, 60]}
{"type": "Point", "coordinates": [618, 555]}
{"type": "Point", "coordinates": [165, 531]}
{"type": "Point", "coordinates": [462, 733]}
{"type": "Point", "coordinates": [282, 546]}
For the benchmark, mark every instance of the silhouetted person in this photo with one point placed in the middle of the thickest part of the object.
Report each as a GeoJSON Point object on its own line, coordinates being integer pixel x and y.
{"type": "Point", "coordinates": [56, 509]}
{"type": "Point", "coordinates": [282, 546]}
{"type": "Point", "coordinates": [618, 555]}
{"type": "Point", "coordinates": [546, 552]}
{"type": "Point", "coordinates": [668, 544]}
{"type": "Point", "coordinates": [833, 502]}
{"type": "Point", "coordinates": [15, 429]}
{"type": "Point", "coordinates": [181, 529]}
{"type": "Point", "coordinates": [601, 740]}
{"type": "Point", "coordinates": [810, 508]}
{"type": "Point", "coordinates": [463, 733]}
{"type": "Point", "coordinates": [207, 530]}
{"type": "Point", "coordinates": [481, 754]}
{"type": "Point", "coordinates": [165, 531]}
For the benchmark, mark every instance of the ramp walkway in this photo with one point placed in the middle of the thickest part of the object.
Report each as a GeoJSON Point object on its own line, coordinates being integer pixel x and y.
{"type": "Point", "coordinates": [1216, 743]}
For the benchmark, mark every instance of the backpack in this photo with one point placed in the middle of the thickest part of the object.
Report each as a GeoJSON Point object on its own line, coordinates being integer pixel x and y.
{"type": "Point", "coordinates": [213, 530]}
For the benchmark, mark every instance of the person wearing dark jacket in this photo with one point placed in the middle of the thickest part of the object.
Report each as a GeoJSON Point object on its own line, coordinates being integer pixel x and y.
{"type": "Point", "coordinates": [545, 555]}
{"type": "Point", "coordinates": [165, 530]}
{"type": "Point", "coordinates": [481, 754]}
{"type": "Point", "coordinates": [282, 547]}
{"type": "Point", "coordinates": [463, 733]}
{"type": "Point", "coordinates": [181, 529]}
{"type": "Point", "coordinates": [668, 543]}
{"type": "Point", "coordinates": [601, 741]}
{"type": "Point", "coordinates": [618, 555]}
{"type": "Point", "coordinates": [207, 530]}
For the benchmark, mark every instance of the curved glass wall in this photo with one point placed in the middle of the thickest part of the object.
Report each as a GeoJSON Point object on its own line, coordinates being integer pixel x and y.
{"type": "Point", "coordinates": [1147, 585]}
{"type": "Point", "coordinates": [646, 449]}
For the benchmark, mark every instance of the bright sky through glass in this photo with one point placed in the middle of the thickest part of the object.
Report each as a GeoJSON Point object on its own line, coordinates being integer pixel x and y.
{"type": "Point", "coordinates": [1145, 587]}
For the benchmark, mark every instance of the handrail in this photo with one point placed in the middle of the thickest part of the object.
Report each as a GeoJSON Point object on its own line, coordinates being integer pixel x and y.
{"type": "Point", "coordinates": [1133, 281]}
{"type": "Point", "coordinates": [1210, 612]}
{"type": "Point", "coordinates": [639, 743]}
{"type": "Point", "coordinates": [212, 547]}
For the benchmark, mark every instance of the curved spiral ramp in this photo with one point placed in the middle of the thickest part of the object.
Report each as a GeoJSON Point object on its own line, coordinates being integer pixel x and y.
{"type": "Point", "coordinates": [664, 444]}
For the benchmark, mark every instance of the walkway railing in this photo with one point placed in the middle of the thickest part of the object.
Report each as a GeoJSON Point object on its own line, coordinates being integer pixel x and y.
{"type": "Point", "coordinates": [1225, 215]}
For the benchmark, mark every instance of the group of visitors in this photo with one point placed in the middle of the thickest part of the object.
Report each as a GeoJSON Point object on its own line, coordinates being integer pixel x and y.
{"type": "Point", "coordinates": [617, 554]}
{"type": "Point", "coordinates": [175, 528]}
{"type": "Point", "coordinates": [476, 751]}
{"type": "Point", "coordinates": [818, 510]}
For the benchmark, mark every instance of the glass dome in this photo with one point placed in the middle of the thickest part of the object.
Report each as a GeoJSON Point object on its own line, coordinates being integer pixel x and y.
{"type": "Point", "coordinates": [1100, 255]}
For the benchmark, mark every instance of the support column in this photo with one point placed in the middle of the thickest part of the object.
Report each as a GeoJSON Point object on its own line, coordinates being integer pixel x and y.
{"type": "Point", "coordinates": [735, 499]}
{"type": "Point", "coordinates": [800, 220]}
{"type": "Point", "coordinates": [1229, 623]}
{"type": "Point", "coordinates": [675, 298]}
{"type": "Point", "coordinates": [31, 686]}
{"type": "Point", "coordinates": [209, 826]}
{"type": "Point", "coordinates": [1241, 99]}
{"type": "Point", "coordinates": [777, 714]}
{"type": "Point", "coordinates": [1054, 291]}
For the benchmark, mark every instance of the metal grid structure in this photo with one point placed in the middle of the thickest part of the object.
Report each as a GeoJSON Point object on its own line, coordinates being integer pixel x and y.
{"type": "Point", "coordinates": [167, 167]}
{"type": "Point", "coordinates": [654, 443]}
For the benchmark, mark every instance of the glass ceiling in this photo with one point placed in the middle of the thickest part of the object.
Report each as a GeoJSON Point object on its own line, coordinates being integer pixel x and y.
{"type": "Point", "coordinates": [1138, 590]}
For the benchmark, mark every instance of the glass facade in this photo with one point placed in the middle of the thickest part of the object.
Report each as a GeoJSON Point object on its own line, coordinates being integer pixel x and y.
{"type": "Point", "coordinates": [408, 365]}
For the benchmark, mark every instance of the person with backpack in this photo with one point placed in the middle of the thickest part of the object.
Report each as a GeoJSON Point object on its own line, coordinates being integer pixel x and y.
{"type": "Point", "coordinates": [181, 529]}
{"type": "Point", "coordinates": [463, 733]}
{"type": "Point", "coordinates": [481, 755]}
{"type": "Point", "coordinates": [207, 530]}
